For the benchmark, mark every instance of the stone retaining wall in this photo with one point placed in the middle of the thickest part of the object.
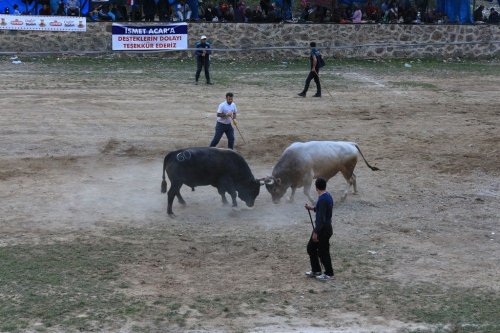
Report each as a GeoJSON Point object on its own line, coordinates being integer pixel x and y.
{"type": "Point", "coordinates": [334, 40]}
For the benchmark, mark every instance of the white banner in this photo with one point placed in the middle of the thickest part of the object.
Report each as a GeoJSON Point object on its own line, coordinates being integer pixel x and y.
{"type": "Point", "coordinates": [46, 23]}
{"type": "Point", "coordinates": [150, 38]}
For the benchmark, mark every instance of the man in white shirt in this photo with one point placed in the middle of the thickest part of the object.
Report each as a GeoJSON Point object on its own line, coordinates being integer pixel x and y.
{"type": "Point", "coordinates": [225, 114]}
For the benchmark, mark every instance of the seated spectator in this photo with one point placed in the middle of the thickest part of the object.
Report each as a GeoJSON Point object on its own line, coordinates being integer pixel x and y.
{"type": "Point", "coordinates": [409, 15]}
{"type": "Point", "coordinates": [16, 9]}
{"type": "Point", "coordinates": [211, 13]}
{"type": "Point", "coordinates": [119, 15]}
{"type": "Point", "coordinates": [257, 15]}
{"type": "Point", "coordinates": [265, 5]}
{"type": "Point", "coordinates": [304, 10]}
{"type": "Point", "coordinates": [336, 17]}
{"type": "Point", "coordinates": [105, 14]}
{"type": "Point", "coordinates": [72, 8]}
{"type": "Point", "coordinates": [183, 11]}
{"type": "Point", "coordinates": [418, 18]}
{"type": "Point", "coordinates": [240, 12]}
{"type": "Point", "coordinates": [357, 15]}
{"type": "Point", "coordinates": [494, 18]}
{"type": "Point", "coordinates": [372, 12]}
{"type": "Point", "coordinates": [45, 10]}
{"type": "Point", "coordinates": [60, 9]}
{"type": "Point", "coordinates": [119, 8]}
{"type": "Point", "coordinates": [478, 14]}
{"type": "Point", "coordinates": [393, 15]}
{"type": "Point", "coordinates": [93, 15]}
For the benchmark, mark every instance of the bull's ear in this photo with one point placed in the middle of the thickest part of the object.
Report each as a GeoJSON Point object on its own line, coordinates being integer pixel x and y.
{"type": "Point", "coordinates": [278, 181]}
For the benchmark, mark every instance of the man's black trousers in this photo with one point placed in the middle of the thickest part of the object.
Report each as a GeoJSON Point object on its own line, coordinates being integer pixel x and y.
{"type": "Point", "coordinates": [205, 63]}
{"type": "Point", "coordinates": [320, 251]}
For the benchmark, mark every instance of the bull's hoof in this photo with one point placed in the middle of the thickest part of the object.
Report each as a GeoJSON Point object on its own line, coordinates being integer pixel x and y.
{"type": "Point", "coordinates": [172, 215]}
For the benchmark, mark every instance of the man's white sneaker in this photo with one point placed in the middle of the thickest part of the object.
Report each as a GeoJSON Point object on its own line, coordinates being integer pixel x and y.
{"type": "Point", "coordinates": [312, 274]}
{"type": "Point", "coordinates": [324, 277]}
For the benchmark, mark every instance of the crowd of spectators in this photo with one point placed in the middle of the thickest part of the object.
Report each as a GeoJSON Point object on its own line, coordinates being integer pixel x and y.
{"type": "Point", "coordinates": [372, 11]}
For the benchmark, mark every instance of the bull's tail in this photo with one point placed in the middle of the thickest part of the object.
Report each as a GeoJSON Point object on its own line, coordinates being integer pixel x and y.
{"type": "Point", "coordinates": [373, 168]}
{"type": "Point", "coordinates": [164, 182]}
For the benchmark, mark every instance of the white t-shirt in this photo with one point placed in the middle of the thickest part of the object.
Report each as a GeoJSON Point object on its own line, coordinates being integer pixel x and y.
{"type": "Point", "coordinates": [225, 108]}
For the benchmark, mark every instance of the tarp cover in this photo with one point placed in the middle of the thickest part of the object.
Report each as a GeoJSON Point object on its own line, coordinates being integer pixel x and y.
{"type": "Point", "coordinates": [32, 7]}
{"type": "Point", "coordinates": [458, 11]}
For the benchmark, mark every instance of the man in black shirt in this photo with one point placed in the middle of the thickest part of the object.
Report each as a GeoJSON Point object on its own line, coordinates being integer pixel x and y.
{"type": "Point", "coordinates": [318, 247]}
{"type": "Point", "coordinates": [203, 58]}
{"type": "Point", "coordinates": [313, 73]}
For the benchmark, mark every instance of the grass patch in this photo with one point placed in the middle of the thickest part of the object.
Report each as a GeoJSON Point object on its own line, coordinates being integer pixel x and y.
{"type": "Point", "coordinates": [69, 285]}
{"type": "Point", "coordinates": [80, 286]}
{"type": "Point", "coordinates": [413, 84]}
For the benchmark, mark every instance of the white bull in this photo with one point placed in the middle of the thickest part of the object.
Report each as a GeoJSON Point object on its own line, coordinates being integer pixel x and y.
{"type": "Point", "coordinates": [301, 162]}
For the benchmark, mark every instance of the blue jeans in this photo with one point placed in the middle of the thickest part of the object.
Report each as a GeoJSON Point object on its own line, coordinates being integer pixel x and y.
{"type": "Point", "coordinates": [221, 129]}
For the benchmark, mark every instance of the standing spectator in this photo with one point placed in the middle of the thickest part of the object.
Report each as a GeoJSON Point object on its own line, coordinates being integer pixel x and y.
{"type": "Point", "coordinates": [225, 114]}
{"type": "Point", "coordinates": [72, 8]}
{"type": "Point", "coordinates": [149, 10]}
{"type": "Point", "coordinates": [202, 58]}
{"type": "Point", "coordinates": [134, 10]}
{"type": "Point", "coordinates": [54, 4]}
{"type": "Point", "coordinates": [318, 246]}
{"type": "Point", "coordinates": [313, 73]}
{"type": "Point", "coordinates": [183, 11]}
{"type": "Point", "coordinates": [164, 10]}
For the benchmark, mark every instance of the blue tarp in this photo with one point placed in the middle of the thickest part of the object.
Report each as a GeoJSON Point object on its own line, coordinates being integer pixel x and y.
{"type": "Point", "coordinates": [32, 7]}
{"type": "Point", "coordinates": [458, 11]}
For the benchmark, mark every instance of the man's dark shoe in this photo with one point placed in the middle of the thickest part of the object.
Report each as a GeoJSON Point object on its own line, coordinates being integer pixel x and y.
{"type": "Point", "coordinates": [196, 82]}
{"type": "Point", "coordinates": [210, 83]}
{"type": "Point", "coordinates": [317, 95]}
{"type": "Point", "coordinates": [302, 94]}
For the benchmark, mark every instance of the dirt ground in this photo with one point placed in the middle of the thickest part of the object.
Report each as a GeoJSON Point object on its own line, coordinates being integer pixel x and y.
{"type": "Point", "coordinates": [81, 158]}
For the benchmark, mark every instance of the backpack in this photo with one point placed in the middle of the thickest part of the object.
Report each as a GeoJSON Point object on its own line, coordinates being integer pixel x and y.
{"type": "Point", "coordinates": [321, 61]}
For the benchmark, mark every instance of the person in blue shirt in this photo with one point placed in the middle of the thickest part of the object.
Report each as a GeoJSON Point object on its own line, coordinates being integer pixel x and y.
{"type": "Point", "coordinates": [318, 246]}
{"type": "Point", "coordinates": [203, 58]}
{"type": "Point", "coordinates": [313, 73]}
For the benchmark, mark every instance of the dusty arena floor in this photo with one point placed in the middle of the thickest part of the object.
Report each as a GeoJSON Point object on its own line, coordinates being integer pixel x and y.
{"type": "Point", "coordinates": [86, 244]}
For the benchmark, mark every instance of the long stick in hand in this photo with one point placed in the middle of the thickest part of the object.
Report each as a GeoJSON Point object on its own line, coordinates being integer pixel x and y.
{"type": "Point", "coordinates": [236, 125]}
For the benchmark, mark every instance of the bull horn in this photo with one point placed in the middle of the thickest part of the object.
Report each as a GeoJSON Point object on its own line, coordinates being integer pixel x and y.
{"type": "Point", "coordinates": [269, 180]}
{"type": "Point", "coordinates": [261, 181]}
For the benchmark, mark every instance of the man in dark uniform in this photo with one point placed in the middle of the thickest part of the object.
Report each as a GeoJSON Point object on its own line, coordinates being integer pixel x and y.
{"type": "Point", "coordinates": [203, 58]}
{"type": "Point", "coordinates": [314, 73]}
{"type": "Point", "coordinates": [318, 247]}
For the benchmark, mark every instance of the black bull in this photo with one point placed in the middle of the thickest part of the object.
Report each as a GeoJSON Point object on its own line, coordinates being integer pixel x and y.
{"type": "Point", "coordinates": [200, 166]}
